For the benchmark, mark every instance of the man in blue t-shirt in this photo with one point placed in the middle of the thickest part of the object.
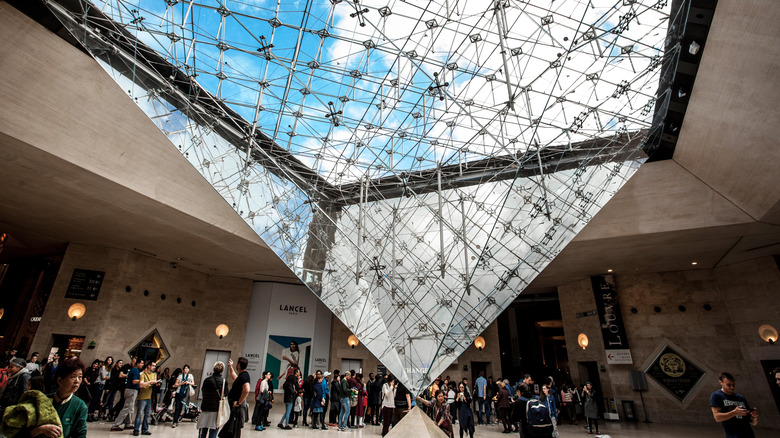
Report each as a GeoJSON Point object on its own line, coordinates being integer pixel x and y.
{"type": "Point", "coordinates": [732, 410]}
{"type": "Point", "coordinates": [480, 396]}
{"type": "Point", "coordinates": [131, 393]}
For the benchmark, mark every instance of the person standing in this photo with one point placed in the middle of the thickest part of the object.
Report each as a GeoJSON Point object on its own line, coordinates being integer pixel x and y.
{"type": "Point", "coordinates": [48, 373]}
{"type": "Point", "coordinates": [113, 386]}
{"type": "Point", "coordinates": [732, 410]}
{"type": "Point", "coordinates": [567, 402]}
{"type": "Point", "coordinates": [213, 391]}
{"type": "Point", "coordinates": [403, 402]}
{"type": "Point", "coordinates": [71, 410]}
{"type": "Point", "coordinates": [360, 409]}
{"type": "Point", "coordinates": [345, 393]}
{"type": "Point", "coordinates": [502, 406]}
{"type": "Point", "coordinates": [308, 396]}
{"type": "Point", "coordinates": [388, 403]}
{"type": "Point", "coordinates": [34, 365]}
{"type": "Point", "coordinates": [374, 399]}
{"type": "Point", "coordinates": [239, 391]}
{"type": "Point", "coordinates": [326, 393]}
{"type": "Point", "coordinates": [440, 411]}
{"type": "Point", "coordinates": [290, 388]}
{"type": "Point", "coordinates": [548, 398]}
{"type": "Point", "coordinates": [335, 399]}
{"type": "Point", "coordinates": [262, 396]}
{"type": "Point", "coordinates": [465, 414]}
{"type": "Point", "coordinates": [491, 390]}
{"type": "Point", "coordinates": [184, 382]}
{"type": "Point", "coordinates": [146, 385]}
{"type": "Point", "coordinates": [318, 400]}
{"type": "Point", "coordinates": [481, 383]}
{"type": "Point", "coordinates": [132, 386]}
{"type": "Point", "coordinates": [17, 383]}
{"type": "Point", "coordinates": [589, 407]}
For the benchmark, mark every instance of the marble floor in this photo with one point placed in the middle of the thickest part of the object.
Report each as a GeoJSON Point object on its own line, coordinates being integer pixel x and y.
{"type": "Point", "coordinates": [187, 429]}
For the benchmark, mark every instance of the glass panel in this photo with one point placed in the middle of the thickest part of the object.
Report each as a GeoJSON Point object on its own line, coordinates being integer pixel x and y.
{"type": "Point", "coordinates": [416, 167]}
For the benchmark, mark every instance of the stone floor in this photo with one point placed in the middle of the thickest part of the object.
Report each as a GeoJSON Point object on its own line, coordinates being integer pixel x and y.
{"type": "Point", "coordinates": [611, 429]}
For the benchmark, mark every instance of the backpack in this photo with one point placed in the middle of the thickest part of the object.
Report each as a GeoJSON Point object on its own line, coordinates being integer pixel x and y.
{"type": "Point", "coordinates": [539, 421]}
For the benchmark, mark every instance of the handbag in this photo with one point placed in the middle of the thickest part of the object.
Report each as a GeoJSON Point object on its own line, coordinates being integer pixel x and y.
{"type": "Point", "coordinates": [223, 413]}
{"type": "Point", "coordinates": [191, 391]}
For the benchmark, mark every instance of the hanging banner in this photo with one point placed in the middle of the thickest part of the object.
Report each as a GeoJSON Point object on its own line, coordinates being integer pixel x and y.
{"type": "Point", "coordinates": [611, 320]}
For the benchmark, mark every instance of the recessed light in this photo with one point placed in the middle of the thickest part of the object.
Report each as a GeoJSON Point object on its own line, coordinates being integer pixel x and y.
{"type": "Point", "coordinates": [609, 270]}
{"type": "Point", "coordinates": [694, 263]}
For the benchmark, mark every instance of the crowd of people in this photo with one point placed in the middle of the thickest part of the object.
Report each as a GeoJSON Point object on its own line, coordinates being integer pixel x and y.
{"type": "Point", "coordinates": [67, 395]}
{"type": "Point", "coordinates": [132, 395]}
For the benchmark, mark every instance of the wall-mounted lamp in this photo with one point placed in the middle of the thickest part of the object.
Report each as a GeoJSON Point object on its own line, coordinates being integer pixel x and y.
{"type": "Point", "coordinates": [582, 340]}
{"type": "Point", "coordinates": [352, 340]}
{"type": "Point", "coordinates": [479, 343]}
{"type": "Point", "coordinates": [76, 311]}
{"type": "Point", "coordinates": [768, 333]}
{"type": "Point", "coordinates": [222, 330]}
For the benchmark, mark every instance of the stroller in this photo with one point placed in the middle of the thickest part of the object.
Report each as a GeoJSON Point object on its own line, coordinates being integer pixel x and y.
{"type": "Point", "coordinates": [164, 412]}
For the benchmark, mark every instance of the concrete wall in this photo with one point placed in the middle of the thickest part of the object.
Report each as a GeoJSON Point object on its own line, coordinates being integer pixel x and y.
{"type": "Point", "coordinates": [120, 319]}
{"type": "Point", "coordinates": [743, 296]}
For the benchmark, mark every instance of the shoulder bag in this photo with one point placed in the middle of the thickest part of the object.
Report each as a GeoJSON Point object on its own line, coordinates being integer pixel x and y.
{"type": "Point", "coordinates": [191, 390]}
{"type": "Point", "coordinates": [223, 413]}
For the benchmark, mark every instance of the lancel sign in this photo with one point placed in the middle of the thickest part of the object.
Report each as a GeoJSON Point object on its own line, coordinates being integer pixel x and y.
{"type": "Point", "coordinates": [292, 309]}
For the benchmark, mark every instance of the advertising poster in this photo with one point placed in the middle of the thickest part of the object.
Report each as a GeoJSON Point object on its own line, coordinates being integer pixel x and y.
{"type": "Point", "coordinates": [286, 352]}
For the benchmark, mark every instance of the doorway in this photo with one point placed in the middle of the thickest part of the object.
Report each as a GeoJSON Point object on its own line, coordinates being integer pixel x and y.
{"type": "Point", "coordinates": [589, 372]}
{"type": "Point", "coordinates": [212, 356]}
{"type": "Point", "coordinates": [351, 364]}
{"type": "Point", "coordinates": [476, 368]}
{"type": "Point", "coordinates": [66, 345]}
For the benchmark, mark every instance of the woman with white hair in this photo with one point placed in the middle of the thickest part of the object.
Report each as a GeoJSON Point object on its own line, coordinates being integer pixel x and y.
{"type": "Point", "coordinates": [17, 383]}
{"type": "Point", "coordinates": [213, 388]}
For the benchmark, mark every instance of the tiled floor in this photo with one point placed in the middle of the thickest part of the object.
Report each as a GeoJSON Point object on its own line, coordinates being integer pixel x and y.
{"type": "Point", "coordinates": [612, 429]}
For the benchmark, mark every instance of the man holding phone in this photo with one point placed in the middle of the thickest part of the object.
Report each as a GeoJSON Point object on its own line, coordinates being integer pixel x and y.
{"type": "Point", "coordinates": [732, 409]}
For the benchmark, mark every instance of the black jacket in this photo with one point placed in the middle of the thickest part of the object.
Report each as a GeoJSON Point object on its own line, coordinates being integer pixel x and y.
{"type": "Point", "coordinates": [290, 389]}
{"type": "Point", "coordinates": [212, 389]}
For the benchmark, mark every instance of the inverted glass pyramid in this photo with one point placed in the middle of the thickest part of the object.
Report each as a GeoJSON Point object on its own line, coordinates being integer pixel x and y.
{"type": "Point", "coordinates": [416, 164]}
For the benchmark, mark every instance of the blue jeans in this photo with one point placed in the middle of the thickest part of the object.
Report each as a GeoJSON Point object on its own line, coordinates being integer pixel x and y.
{"type": "Point", "coordinates": [344, 413]}
{"type": "Point", "coordinates": [144, 409]}
{"type": "Point", "coordinates": [287, 410]}
{"type": "Point", "coordinates": [481, 408]}
{"type": "Point", "coordinates": [488, 410]}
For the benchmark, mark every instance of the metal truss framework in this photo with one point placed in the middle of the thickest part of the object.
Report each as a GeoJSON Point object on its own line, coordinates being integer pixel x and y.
{"type": "Point", "coordinates": [416, 164]}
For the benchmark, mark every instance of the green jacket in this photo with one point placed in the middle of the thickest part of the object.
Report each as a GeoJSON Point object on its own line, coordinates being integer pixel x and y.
{"type": "Point", "coordinates": [73, 415]}
{"type": "Point", "coordinates": [346, 391]}
{"type": "Point", "coordinates": [34, 409]}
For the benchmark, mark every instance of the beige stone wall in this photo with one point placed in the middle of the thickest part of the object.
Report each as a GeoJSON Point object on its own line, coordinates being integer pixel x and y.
{"type": "Point", "coordinates": [340, 350]}
{"type": "Point", "coordinates": [119, 319]}
{"type": "Point", "coordinates": [490, 354]}
{"type": "Point", "coordinates": [743, 296]}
